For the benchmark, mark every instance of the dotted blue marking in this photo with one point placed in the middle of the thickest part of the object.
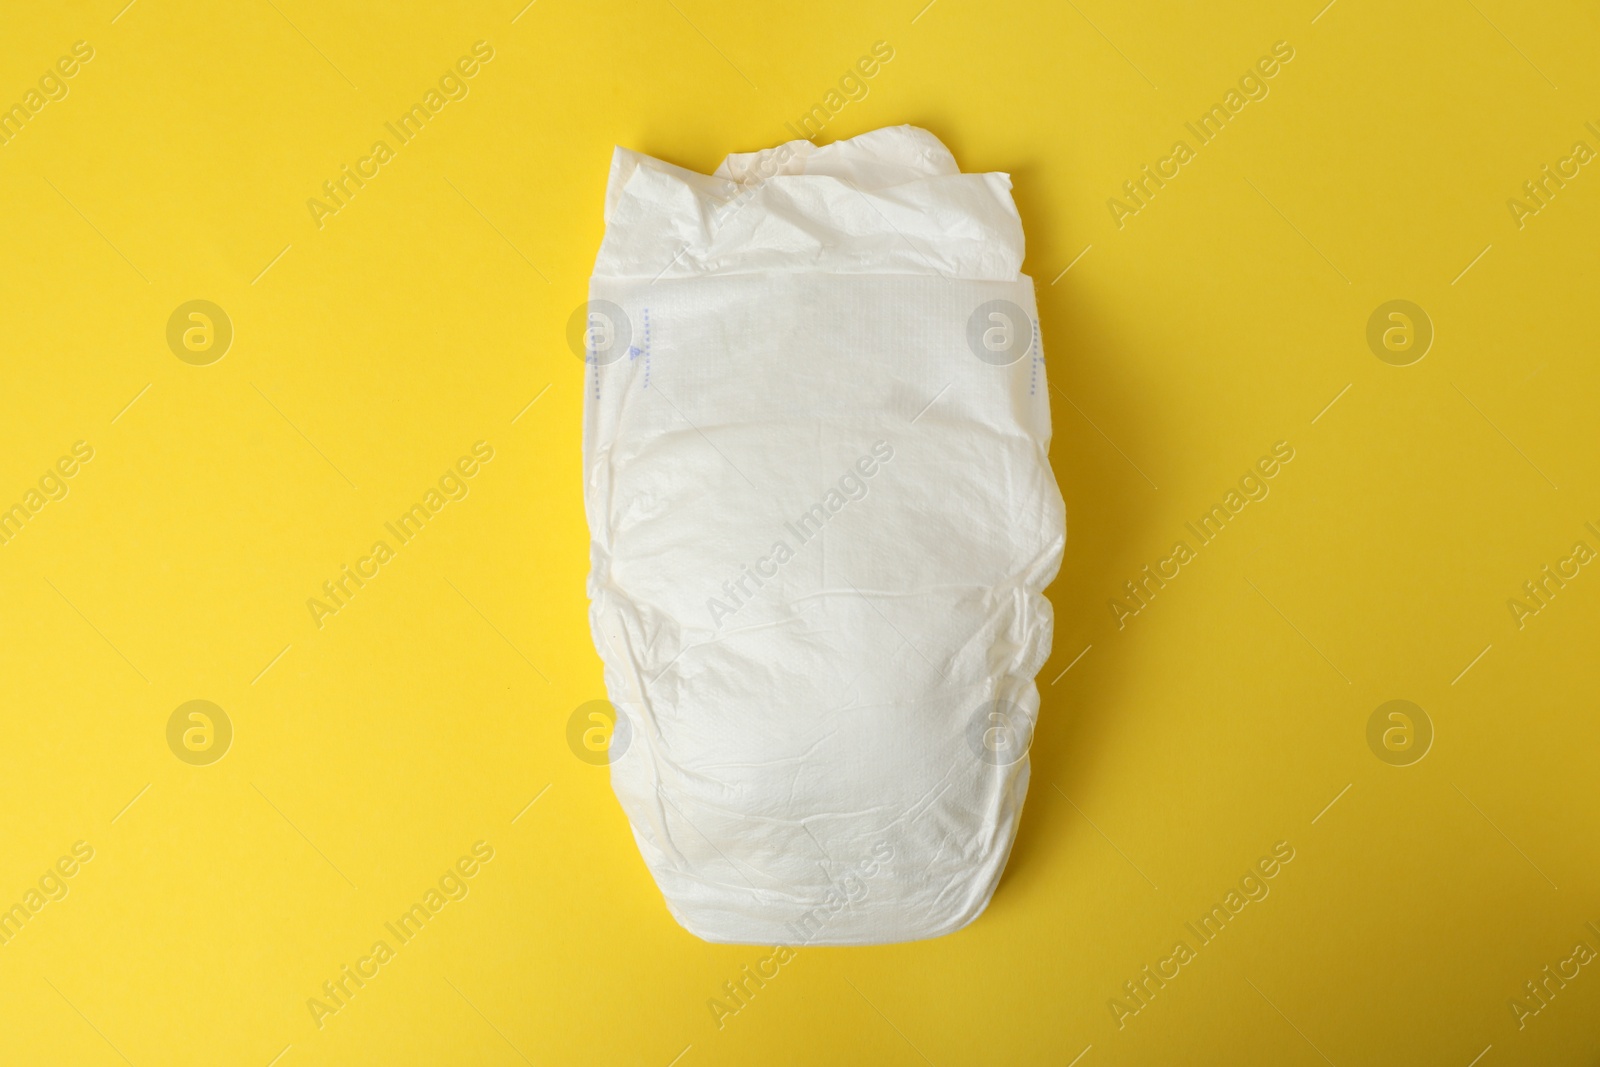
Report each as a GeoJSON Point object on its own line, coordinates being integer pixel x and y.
{"type": "Point", "coordinates": [646, 348]}
{"type": "Point", "coordinates": [1038, 359]}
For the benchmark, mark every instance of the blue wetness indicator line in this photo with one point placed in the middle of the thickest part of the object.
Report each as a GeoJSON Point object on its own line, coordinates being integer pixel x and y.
{"type": "Point", "coordinates": [1038, 360]}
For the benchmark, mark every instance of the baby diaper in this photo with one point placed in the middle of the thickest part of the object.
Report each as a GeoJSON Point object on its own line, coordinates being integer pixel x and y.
{"type": "Point", "coordinates": [822, 518]}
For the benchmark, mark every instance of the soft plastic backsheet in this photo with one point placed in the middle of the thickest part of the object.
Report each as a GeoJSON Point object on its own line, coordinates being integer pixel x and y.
{"type": "Point", "coordinates": [822, 518]}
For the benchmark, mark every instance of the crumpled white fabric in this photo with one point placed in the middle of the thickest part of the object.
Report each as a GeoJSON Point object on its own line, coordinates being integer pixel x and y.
{"type": "Point", "coordinates": [822, 518]}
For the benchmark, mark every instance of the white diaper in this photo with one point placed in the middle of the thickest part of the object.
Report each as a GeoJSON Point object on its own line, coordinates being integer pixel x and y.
{"type": "Point", "coordinates": [815, 434]}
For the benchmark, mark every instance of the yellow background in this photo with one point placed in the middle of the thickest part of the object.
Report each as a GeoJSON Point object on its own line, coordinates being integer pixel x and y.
{"type": "Point", "coordinates": [427, 314]}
